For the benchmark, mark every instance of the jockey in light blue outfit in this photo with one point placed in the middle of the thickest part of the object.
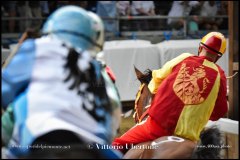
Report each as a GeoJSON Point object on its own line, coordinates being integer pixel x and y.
{"type": "Point", "coordinates": [53, 83]}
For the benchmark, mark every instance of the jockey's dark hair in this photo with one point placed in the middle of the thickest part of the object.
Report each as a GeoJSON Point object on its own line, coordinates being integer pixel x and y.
{"type": "Point", "coordinates": [146, 76]}
{"type": "Point", "coordinates": [210, 144]}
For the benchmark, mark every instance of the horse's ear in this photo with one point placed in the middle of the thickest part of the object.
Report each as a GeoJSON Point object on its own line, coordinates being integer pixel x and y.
{"type": "Point", "coordinates": [139, 74]}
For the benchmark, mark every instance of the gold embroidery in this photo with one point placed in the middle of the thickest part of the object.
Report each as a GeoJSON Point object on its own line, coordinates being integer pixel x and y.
{"type": "Point", "coordinates": [186, 86]}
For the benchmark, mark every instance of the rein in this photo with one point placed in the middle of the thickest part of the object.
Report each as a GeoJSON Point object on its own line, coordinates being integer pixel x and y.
{"type": "Point", "coordinates": [137, 116]}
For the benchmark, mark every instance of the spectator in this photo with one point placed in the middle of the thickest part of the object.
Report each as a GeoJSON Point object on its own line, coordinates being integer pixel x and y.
{"type": "Point", "coordinates": [142, 8]}
{"type": "Point", "coordinates": [24, 11]}
{"type": "Point", "coordinates": [30, 9]}
{"type": "Point", "coordinates": [162, 7]}
{"type": "Point", "coordinates": [45, 8]}
{"type": "Point", "coordinates": [107, 9]}
{"type": "Point", "coordinates": [180, 8]}
{"type": "Point", "coordinates": [209, 10]}
{"type": "Point", "coordinates": [123, 8]}
{"type": "Point", "coordinates": [3, 12]}
{"type": "Point", "coordinates": [10, 8]}
{"type": "Point", "coordinates": [82, 4]}
{"type": "Point", "coordinates": [223, 11]}
{"type": "Point", "coordinates": [193, 22]}
{"type": "Point", "coordinates": [35, 12]}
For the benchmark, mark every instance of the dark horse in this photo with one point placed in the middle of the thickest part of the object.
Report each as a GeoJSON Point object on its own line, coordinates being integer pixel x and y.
{"type": "Point", "coordinates": [171, 146]}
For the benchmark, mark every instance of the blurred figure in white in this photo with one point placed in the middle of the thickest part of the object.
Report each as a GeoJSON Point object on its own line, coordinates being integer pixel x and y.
{"type": "Point", "coordinates": [209, 10]}
{"type": "Point", "coordinates": [142, 8]}
{"type": "Point", "coordinates": [180, 8]}
{"type": "Point", "coordinates": [108, 9]}
{"type": "Point", "coordinates": [123, 8]}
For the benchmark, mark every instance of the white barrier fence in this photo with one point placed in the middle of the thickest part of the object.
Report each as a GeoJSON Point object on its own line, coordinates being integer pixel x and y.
{"type": "Point", "coordinates": [225, 125]}
{"type": "Point", "coordinates": [229, 128]}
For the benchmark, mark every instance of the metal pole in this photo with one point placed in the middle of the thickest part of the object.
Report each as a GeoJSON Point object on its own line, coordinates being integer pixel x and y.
{"type": "Point", "coordinates": [185, 27]}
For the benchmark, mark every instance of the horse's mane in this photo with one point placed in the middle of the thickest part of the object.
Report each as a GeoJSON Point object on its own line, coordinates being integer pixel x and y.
{"type": "Point", "coordinates": [146, 76]}
{"type": "Point", "coordinates": [210, 144]}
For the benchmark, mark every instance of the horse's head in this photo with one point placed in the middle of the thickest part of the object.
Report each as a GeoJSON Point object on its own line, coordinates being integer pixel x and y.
{"type": "Point", "coordinates": [143, 96]}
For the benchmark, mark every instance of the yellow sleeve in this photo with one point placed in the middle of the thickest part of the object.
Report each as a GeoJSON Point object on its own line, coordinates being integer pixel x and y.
{"type": "Point", "coordinates": [159, 75]}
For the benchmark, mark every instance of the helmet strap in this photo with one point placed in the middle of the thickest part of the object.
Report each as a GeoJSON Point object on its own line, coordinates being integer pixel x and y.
{"type": "Point", "coordinates": [218, 53]}
{"type": "Point", "coordinates": [217, 58]}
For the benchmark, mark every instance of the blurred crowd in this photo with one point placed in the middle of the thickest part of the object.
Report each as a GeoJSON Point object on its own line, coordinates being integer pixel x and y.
{"type": "Point", "coordinates": [200, 14]}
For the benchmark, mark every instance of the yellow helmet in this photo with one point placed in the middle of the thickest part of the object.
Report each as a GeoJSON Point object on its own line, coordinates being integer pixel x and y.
{"type": "Point", "coordinates": [215, 43]}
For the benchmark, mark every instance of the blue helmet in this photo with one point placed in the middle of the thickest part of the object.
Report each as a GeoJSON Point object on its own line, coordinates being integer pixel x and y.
{"type": "Point", "coordinates": [72, 25]}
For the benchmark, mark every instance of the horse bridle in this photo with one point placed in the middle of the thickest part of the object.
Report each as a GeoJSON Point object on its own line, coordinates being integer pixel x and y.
{"type": "Point", "coordinates": [136, 102]}
{"type": "Point", "coordinates": [136, 107]}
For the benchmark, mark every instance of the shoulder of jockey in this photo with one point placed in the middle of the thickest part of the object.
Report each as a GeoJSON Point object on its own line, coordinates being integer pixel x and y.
{"type": "Point", "coordinates": [37, 83]}
{"type": "Point", "coordinates": [159, 75]}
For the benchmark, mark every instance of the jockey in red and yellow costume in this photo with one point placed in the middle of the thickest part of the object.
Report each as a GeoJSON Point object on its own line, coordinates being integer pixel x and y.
{"type": "Point", "coordinates": [189, 90]}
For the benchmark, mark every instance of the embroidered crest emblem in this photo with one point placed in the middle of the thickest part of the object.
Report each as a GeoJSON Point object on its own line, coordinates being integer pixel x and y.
{"type": "Point", "coordinates": [186, 85]}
